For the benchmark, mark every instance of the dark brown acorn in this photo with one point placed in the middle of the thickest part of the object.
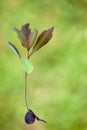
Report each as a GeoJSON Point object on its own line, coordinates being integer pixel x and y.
{"type": "Point", "coordinates": [30, 117]}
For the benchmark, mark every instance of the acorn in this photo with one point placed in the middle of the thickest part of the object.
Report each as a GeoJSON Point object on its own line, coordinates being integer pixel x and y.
{"type": "Point", "coordinates": [30, 117]}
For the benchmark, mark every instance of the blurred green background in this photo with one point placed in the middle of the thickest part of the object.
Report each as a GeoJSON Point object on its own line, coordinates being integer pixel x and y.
{"type": "Point", "coordinates": [57, 88]}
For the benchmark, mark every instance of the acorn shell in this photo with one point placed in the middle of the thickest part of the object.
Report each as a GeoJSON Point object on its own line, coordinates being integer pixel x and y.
{"type": "Point", "coordinates": [30, 117]}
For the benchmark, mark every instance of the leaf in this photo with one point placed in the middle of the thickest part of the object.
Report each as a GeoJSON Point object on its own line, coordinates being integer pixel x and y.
{"type": "Point", "coordinates": [14, 49]}
{"type": "Point", "coordinates": [29, 36]}
{"type": "Point", "coordinates": [20, 37]}
{"type": "Point", "coordinates": [32, 38]}
{"type": "Point", "coordinates": [26, 65]}
{"type": "Point", "coordinates": [26, 31]}
{"type": "Point", "coordinates": [43, 39]}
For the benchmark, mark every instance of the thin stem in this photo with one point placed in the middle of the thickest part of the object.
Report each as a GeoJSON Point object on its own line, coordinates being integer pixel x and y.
{"type": "Point", "coordinates": [26, 91]}
{"type": "Point", "coordinates": [26, 75]}
{"type": "Point", "coordinates": [30, 55]}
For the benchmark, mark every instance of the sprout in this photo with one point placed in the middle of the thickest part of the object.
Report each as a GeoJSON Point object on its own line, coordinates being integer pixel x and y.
{"type": "Point", "coordinates": [30, 39]}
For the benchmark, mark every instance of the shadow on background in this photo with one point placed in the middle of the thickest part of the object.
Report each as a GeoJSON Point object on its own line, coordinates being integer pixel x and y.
{"type": "Point", "coordinates": [58, 85]}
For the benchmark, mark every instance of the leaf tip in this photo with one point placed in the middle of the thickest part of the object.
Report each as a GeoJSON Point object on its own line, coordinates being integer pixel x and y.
{"type": "Point", "coordinates": [15, 29]}
{"type": "Point", "coordinates": [7, 42]}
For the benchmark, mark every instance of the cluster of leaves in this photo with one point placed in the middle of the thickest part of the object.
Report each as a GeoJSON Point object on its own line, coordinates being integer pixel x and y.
{"type": "Point", "coordinates": [30, 39]}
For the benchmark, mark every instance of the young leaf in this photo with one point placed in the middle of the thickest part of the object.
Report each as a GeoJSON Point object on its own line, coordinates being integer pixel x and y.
{"type": "Point", "coordinates": [14, 49]}
{"type": "Point", "coordinates": [26, 65]}
{"type": "Point", "coordinates": [28, 35]}
{"type": "Point", "coordinates": [32, 38]}
{"type": "Point", "coordinates": [26, 31]}
{"type": "Point", "coordinates": [43, 39]}
{"type": "Point", "coordinates": [20, 37]}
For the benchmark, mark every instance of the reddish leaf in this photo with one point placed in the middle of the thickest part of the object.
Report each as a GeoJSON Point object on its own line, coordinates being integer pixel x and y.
{"type": "Point", "coordinates": [26, 37]}
{"type": "Point", "coordinates": [26, 31]}
{"type": "Point", "coordinates": [32, 38]}
{"type": "Point", "coordinates": [43, 39]}
{"type": "Point", "coordinates": [21, 37]}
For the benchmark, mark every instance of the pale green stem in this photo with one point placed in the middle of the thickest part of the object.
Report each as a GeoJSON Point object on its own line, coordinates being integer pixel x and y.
{"type": "Point", "coordinates": [26, 76]}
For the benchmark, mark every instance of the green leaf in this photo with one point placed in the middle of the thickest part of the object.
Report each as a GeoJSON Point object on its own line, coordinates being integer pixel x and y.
{"type": "Point", "coordinates": [43, 39]}
{"type": "Point", "coordinates": [26, 65]}
{"type": "Point", "coordinates": [15, 50]}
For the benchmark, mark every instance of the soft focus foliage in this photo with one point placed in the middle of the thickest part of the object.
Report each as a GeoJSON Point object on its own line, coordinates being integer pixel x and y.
{"type": "Point", "coordinates": [58, 85]}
